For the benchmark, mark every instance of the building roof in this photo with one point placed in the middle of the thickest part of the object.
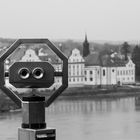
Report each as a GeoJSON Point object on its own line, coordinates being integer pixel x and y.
{"type": "Point", "coordinates": [93, 60]}
{"type": "Point", "coordinates": [108, 61]}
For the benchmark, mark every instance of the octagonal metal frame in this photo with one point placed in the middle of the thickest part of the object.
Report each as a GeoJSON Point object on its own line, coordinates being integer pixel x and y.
{"type": "Point", "coordinates": [64, 72]}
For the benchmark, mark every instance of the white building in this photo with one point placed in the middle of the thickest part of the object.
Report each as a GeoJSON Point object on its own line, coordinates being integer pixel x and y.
{"type": "Point", "coordinates": [92, 70]}
{"type": "Point", "coordinates": [126, 73]}
{"type": "Point", "coordinates": [99, 71]}
{"type": "Point", "coordinates": [108, 73]}
{"type": "Point", "coordinates": [30, 56]}
{"type": "Point", "coordinates": [76, 67]}
{"type": "Point", "coordinates": [95, 70]}
{"type": "Point", "coordinates": [108, 70]}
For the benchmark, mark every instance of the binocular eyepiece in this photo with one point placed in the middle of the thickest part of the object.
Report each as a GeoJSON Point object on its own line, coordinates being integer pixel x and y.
{"type": "Point", "coordinates": [31, 74]}
{"type": "Point", "coordinates": [25, 73]}
{"type": "Point", "coordinates": [38, 73]}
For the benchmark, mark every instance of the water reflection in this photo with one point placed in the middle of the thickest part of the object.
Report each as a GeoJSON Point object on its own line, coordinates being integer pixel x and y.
{"type": "Point", "coordinates": [106, 119]}
{"type": "Point", "coordinates": [80, 119]}
{"type": "Point", "coordinates": [93, 106]}
{"type": "Point", "coordinates": [137, 103]}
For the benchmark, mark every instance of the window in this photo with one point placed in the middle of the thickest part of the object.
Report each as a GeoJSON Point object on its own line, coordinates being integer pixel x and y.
{"type": "Point", "coordinates": [85, 79]}
{"type": "Point", "coordinates": [73, 79]}
{"type": "Point", "coordinates": [132, 72]}
{"type": "Point", "coordinates": [77, 72]}
{"type": "Point", "coordinates": [118, 72]}
{"type": "Point", "coordinates": [91, 79]}
{"type": "Point", "coordinates": [98, 72]}
{"type": "Point", "coordinates": [129, 72]}
{"type": "Point", "coordinates": [85, 72]}
{"type": "Point", "coordinates": [90, 72]}
{"type": "Point", "coordinates": [112, 70]}
{"type": "Point", "coordinates": [103, 72]}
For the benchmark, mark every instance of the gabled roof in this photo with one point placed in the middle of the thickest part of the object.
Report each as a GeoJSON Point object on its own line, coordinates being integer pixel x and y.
{"type": "Point", "coordinates": [68, 53]}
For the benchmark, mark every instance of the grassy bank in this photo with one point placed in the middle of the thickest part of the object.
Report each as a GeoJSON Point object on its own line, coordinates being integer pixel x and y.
{"type": "Point", "coordinates": [77, 92]}
{"type": "Point", "coordinates": [6, 104]}
{"type": "Point", "coordinates": [106, 92]}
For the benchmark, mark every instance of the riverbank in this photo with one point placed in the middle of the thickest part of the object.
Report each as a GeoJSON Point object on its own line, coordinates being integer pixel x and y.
{"type": "Point", "coordinates": [6, 104]}
{"type": "Point", "coordinates": [78, 92]}
{"type": "Point", "coordinates": [102, 92]}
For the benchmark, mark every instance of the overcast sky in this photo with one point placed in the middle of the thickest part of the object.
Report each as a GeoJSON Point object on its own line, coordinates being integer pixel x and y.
{"type": "Point", "coordinates": [70, 19]}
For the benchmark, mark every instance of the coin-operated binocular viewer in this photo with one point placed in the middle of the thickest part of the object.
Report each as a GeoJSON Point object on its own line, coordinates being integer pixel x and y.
{"type": "Point", "coordinates": [33, 75]}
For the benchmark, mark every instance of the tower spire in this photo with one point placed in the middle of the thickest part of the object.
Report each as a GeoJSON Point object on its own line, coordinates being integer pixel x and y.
{"type": "Point", "coordinates": [86, 37]}
{"type": "Point", "coordinates": [86, 47]}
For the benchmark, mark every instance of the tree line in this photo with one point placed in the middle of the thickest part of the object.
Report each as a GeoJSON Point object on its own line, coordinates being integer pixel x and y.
{"type": "Point", "coordinates": [66, 46]}
{"type": "Point", "coordinates": [136, 59]}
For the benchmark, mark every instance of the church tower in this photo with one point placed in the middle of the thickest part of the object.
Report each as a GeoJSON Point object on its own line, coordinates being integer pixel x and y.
{"type": "Point", "coordinates": [85, 47]}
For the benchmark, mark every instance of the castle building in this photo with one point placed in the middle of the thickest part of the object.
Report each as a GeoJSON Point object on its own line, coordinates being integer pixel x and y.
{"type": "Point", "coordinates": [95, 70]}
{"type": "Point", "coordinates": [108, 70]}
{"type": "Point", "coordinates": [126, 73]}
{"type": "Point", "coordinates": [76, 65]}
{"type": "Point", "coordinates": [92, 70]}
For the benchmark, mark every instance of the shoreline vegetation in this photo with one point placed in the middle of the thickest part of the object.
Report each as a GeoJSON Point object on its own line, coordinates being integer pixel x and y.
{"type": "Point", "coordinates": [88, 92]}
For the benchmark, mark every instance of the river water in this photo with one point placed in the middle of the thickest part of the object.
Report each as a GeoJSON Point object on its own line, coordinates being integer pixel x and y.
{"type": "Point", "coordinates": [85, 119]}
